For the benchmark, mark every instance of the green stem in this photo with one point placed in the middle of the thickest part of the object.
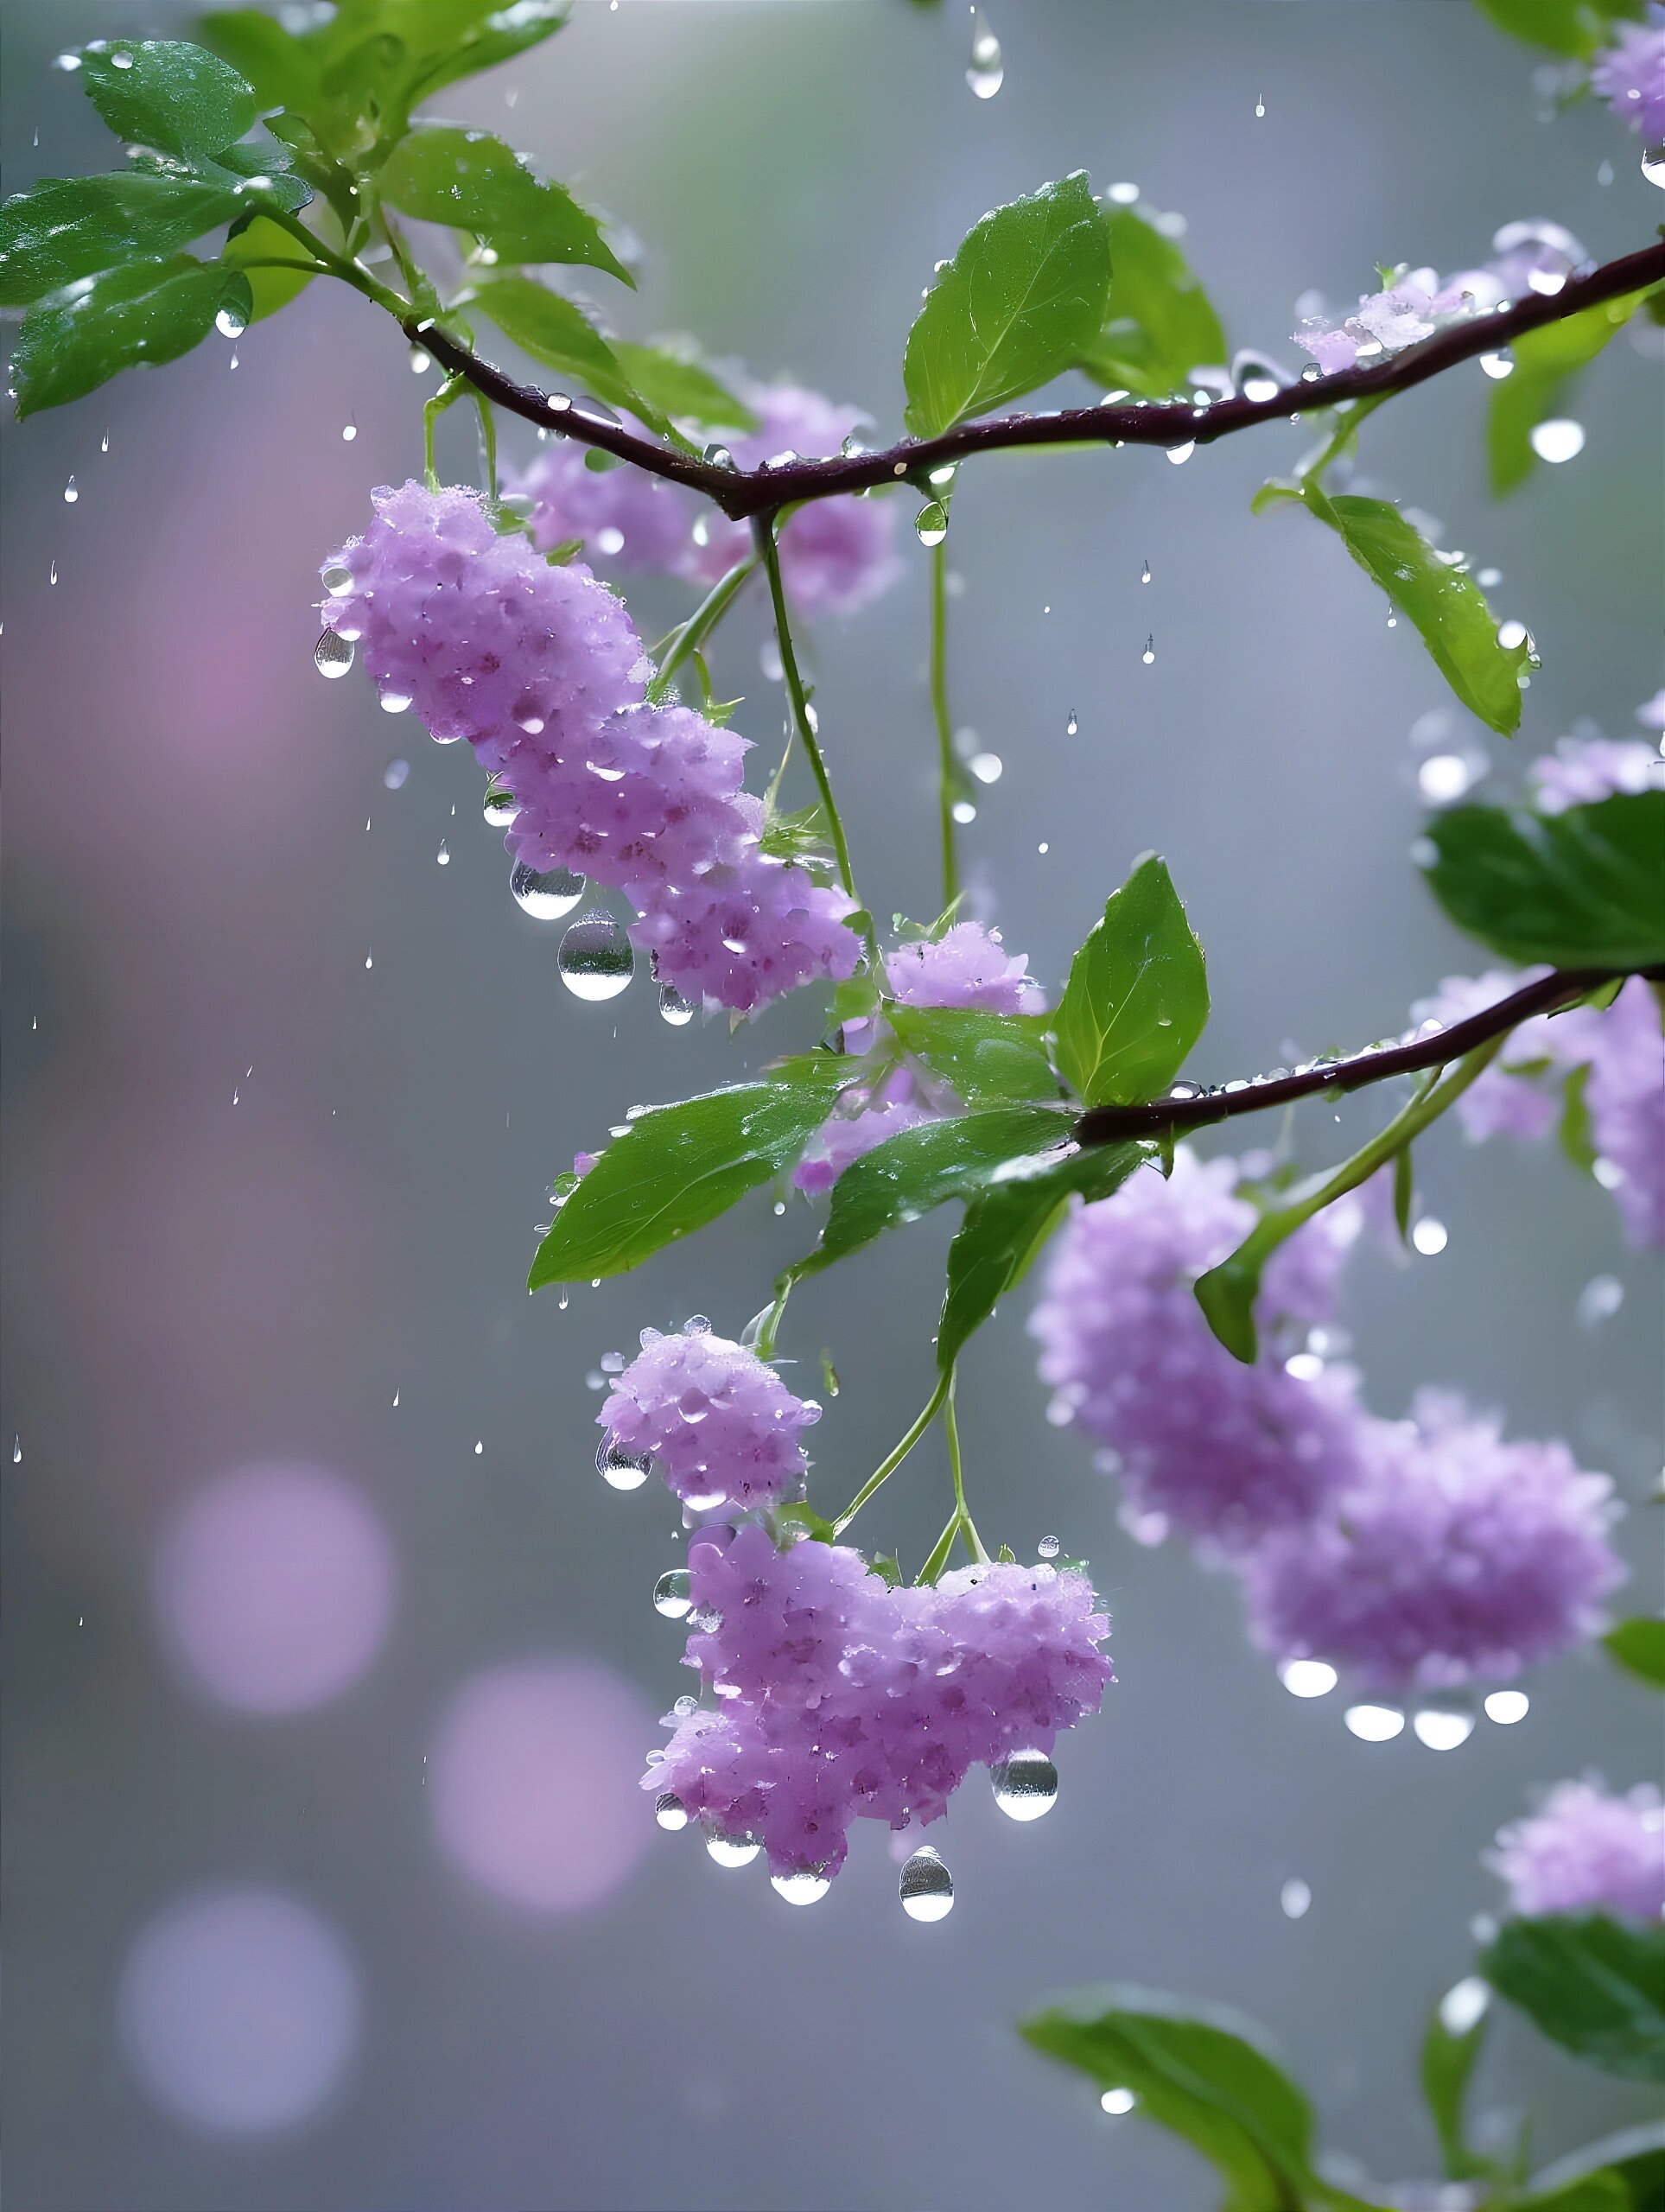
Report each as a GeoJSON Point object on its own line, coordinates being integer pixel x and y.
{"type": "Point", "coordinates": [451, 389]}
{"type": "Point", "coordinates": [886, 1467]}
{"type": "Point", "coordinates": [692, 634]}
{"type": "Point", "coordinates": [770, 553]}
{"type": "Point", "coordinates": [940, 1550]}
{"type": "Point", "coordinates": [967, 1526]}
{"type": "Point", "coordinates": [488, 442]}
{"type": "Point", "coordinates": [1346, 431]}
{"type": "Point", "coordinates": [764, 1344]}
{"type": "Point", "coordinates": [944, 724]}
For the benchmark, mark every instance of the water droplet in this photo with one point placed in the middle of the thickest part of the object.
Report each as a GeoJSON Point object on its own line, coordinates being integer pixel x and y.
{"type": "Point", "coordinates": [68, 62]}
{"type": "Point", "coordinates": [546, 897]}
{"type": "Point", "coordinates": [1071, 724]}
{"type": "Point", "coordinates": [1294, 1896]}
{"type": "Point", "coordinates": [1463, 2005]}
{"type": "Point", "coordinates": [444, 855]}
{"type": "Point", "coordinates": [1144, 573]}
{"type": "Point", "coordinates": [121, 60]}
{"type": "Point", "coordinates": [479, 1446]}
{"type": "Point", "coordinates": [52, 573]}
{"type": "Point", "coordinates": [1605, 172]}
{"type": "Point", "coordinates": [370, 959]}
{"type": "Point", "coordinates": [231, 322]}
{"type": "Point", "coordinates": [1444, 777]}
{"type": "Point", "coordinates": [1256, 376]}
{"type": "Point", "coordinates": [987, 71]}
{"type": "Point", "coordinates": [1500, 364]}
{"type": "Point", "coordinates": [1598, 1300]}
{"type": "Point", "coordinates": [1507, 1707]}
{"type": "Point", "coordinates": [671, 1595]}
{"type": "Point", "coordinates": [622, 1469]}
{"type": "Point", "coordinates": [1149, 653]}
{"type": "Point", "coordinates": [669, 1811]}
{"type": "Point", "coordinates": [808, 1885]}
{"type": "Point", "coordinates": [500, 807]}
{"type": "Point", "coordinates": [394, 775]}
{"type": "Point", "coordinates": [963, 811]}
{"type": "Point", "coordinates": [1512, 635]}
{"type": "Point", "coordinates": [1260, 105]}
{"type": "Point", "coordinates": [732, 1851]}
{"type": "Point", "coordinates": [104, 442]}
{"type": "Point", "coordinates": [395, 702]}
{"type": "Point", "coordinates": [1373, 1724]}
{"type": "Point", "coordinates": [1116, 2102]}
{"type": "Point", "coordinates": [1557, 440]}
{"type": "Point", "coordinates": [337, 579]}
{"type": "Point", "coordinates": [1307, 1677]}
{"type": "Point", "coordinates": [931, 524]}
{"type": "Point", "coordinates": [1430, 1236]}
{"type": "Point", "coordinates": [595, 958]}
{"type": "Point", "coordinates": [70, 493]}
{"type": "Point", "coordinates": [1653, 165]}
{"type": "Point", "coordinates": [1442, 1727]}
{"type": "Point", "coordinates": [1025, 1785]}
{"type": "Point", "coordinates": [986, 767]}
{"type": "Point", "coordinates": [1311, 374]}
{"type": "Point", "coordinates": [1049, 1547]}
{"type": "Point", "coordinates": [349, 431]}
{"type": "Point", "coordinates": [333, 656]}
{"type": "Point", "coordinates": [674, 1007]}
{"type": "Point", "coordinates": [1179, 454]}
{"type": "Point", "coordinates": [16, 1452]}
{"type": "Point", "coordinates": [926, 1887]}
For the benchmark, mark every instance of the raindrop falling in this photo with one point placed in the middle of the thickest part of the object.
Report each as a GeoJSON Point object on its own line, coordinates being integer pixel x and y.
{"type": "Point", "coordinates": [1373, 1724]}
{"type": "Point", "coordinates": [1260, 105]}
{"type": "Point", "coordinates": [926, 1887]}
{"type": "Point", "coordinates": [931, 524]}
{"type": "Point", "coordinates": [394, 775]}
{"type": "Point", "coordinates": [444, 855]}
{"type": "Point", "coordinates": [1071, 724]}
{"type": "Point", "coordinates": [595, 959]}
{"type": "Point", "coordinates": [808, 1885]}
{"type": "Point", "coordinates": [52, 574]}
{"type": "Point", "coordinates": [1558, 439]}
{"type": "Point", "coordinates": [370, 959]}
{"type": "Point", "coordinates": [669, 1811]}
{"type": "Point", "coordinates": [1144, 573]}
{"type": "Point", "coordinates": [1464, 2004]}
{"type": "Point", "coordinates": [986, 767]}
{"type": "Point", "coordinates": [674, 1007]}
{"type": "Point", "coordinates": [70, 493]}
{"type": "Point", "coordinates": [333, 656]}
{"type": "Point", "coordinates": [624, 1470]}
{"type": "Point", "coordinates": [546, 897]}
{"type": "Point", "coordinates": [987, 71]}
{"type": "Point", "coordinates": [1497, 365]}
{"type": "Point", "coordinates": [1653, 165]}
{"type": "Point", "coordinates": [1294, 1897]}
{"type": "Point", "coordinates": [349, 431]}
{"type": "Point", "coordinates": [670, 1596]}
{"type": "Point", "coordinates": [732, 1851]}
{"type": "Point", "coordinates": [16, 1452]}
{"type": "Point", "coordinates": [1149, 653]}
{"type": "Point", "coordinates": [1025, 1785]}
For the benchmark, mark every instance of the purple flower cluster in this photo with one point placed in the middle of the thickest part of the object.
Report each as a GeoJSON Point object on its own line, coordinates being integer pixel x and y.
{"type": "Point", "coordinates": [839, 1698]}
{"type": "Point", "coordinates": [1422, 1552]}
{"type": "Point", "coordinates": [1582, 770]}
{"type": "Point", "coordinates": [968, 966]}
{"type": "Point", "coordinates": [541, 669]}
{"type": "Point", "coordinates": [1586, 1849]}
{"type": "Point", "coordinates": [721, 1426]}
{"type": "Point", "coordinates": [1536, 257]}
{"type": "Point", "coordinates": [1222, 1451]}
{"type": "Point", "coordinates": [1630, 76]}
{"type": "Point", "coordinates": [1450, 1557]}
{"type": "Point", "coordinates": [835, 555]}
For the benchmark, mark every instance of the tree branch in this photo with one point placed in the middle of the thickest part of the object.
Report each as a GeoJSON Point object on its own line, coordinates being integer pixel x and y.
{"type": "Point", "coordinates": [745, 493]}
{"type": "Point", "coordinates": [1172, 1116]}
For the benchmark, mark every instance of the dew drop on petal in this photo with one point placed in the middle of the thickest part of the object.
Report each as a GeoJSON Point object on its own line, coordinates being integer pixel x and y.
{"type": "Point", "coordinates": [669, 1811]}
{"type": "Point", "coordinates": [622, 1469]}
{"type": "Point", "coordinates": [674, 1007]}
{"type": "Point", "coordinates": [333, 656]}
{"type": "Point", "coordinates": [547, 896]}
{"type": "Point", "coordinates": [732, 1851]}
{"type": "Point", "coordinates": [670, 1593]}
{"type": "Point", "coordinates": [806, 1885]}
{"type": "Point", "coordinates": [1307, 1677]}
{"type": "Point", "coordinates": [1025, 1785]}
{"type": "Point", "coordinates": [596, 959]}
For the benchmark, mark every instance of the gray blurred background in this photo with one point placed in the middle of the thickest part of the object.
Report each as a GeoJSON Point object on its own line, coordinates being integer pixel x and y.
{"type": "Point", "coordinates": [256, 1186]}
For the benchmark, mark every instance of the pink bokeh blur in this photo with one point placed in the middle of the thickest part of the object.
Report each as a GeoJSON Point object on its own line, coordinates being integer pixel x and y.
{"type": "Point", "coordinates": [535, 1774]}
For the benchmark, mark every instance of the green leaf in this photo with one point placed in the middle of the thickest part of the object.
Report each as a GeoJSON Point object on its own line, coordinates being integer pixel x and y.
{"type": "Point", "coordinates": [280, 67]}
{"type": "Point", "coordinates": [1227, 1295]}
{"type": "Point", "coordinates": [75, 340]}
{"type": "Point", "coordinates": [1638, 1645]}
{"type": "Point", "coordinates": [1199, 2074]}
{"type": "Point", "coordinates": [1575, 1131]}
{"type": "Point", "coordinates": [1448, 2060]}
{"type": "Point", "coordinates": [259, 169]}
{"type": "Point", "coordinates": [806, 1520]}
{"type": "Point", "coordinates": [681, 387]}
{"type": "Point", "coordinates": [1404, 1192]}
{"type": "Point", "coordinates": [1592, 2192]}
{"type": "Point", "coordinates": [269, 289]}
{"type": "Point", "coordinates": [162, 93]}
{"type": "Point", "coordinates": [922, 1168]}
{"type": "Point", "coordinates": [453, 38]}
{"type": "Point", "coordinates": [1546, 361]}
{"type": "Point", "coordinates": [1595, 1986]}
{"type": "Point", "coordinates": [1006, 1228]}
{"type": "Point", "coordinates": [475, 182]}
{"type": "Point", "coordinates": [1581, 889]}
{"type": "Point", "coordinates": [1013, 309]}
{"type": "Point", "coordinates": [67, 228]}
{"type": "Point", "coordinates": [1443, 604]}
{"type": "Point", "coordinates": [561, 335]}
{"type": "Point", "coordinates": [1637, 2155]}
{"type": "Point", "coordinates": [1577, 28]}
{"type": "Point", "coordinates": [679, 1167]}
{"type": "Point", "coordinates": [986, 1060]}
{"type": "Point", "coordinates": [1159, 324]}
{"type": "Point", "coordinates": [1137, 997]}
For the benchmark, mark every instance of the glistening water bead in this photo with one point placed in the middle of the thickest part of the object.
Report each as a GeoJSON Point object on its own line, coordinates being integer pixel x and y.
{"type": "Point", "coordinates": [931, 524]}
{"type": "Point", "coordinates": [674, 1007]}
{"type": "Point", "coordinates": [622, 1469]}
{"type": "Point", "coordinates": [670, 1596]}
{"type": "Point", "coordinates": [548, 896]}
{"type": "Point", "coordinates": [1025, 1785]}
{"type": "Point", "coordinates": [333, 656]}
{"type": "Point", "coordinates": [926, 1887]}
{"type": "Point", "coordinates": [669, 1811]}
{"type": "Point", "coordinates": [987, 72]}
{"type": "Point", "coordinates": [806, 1886]}
{"type": "Point", "coordinates": [595, 959]}
{"type": "Point", "coordinates": [731, 1850]}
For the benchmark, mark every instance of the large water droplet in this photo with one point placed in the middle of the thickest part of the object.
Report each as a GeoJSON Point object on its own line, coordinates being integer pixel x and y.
{"type": "Point", "coordinates": [623, 1469]}
{"type": "Point", "coordinates": [333, 656]}
{"type": "Point", "coordinates": [1179, 454]}
{"type": "Point", "coordinates": [1497, 365]}
{"type": "Point", "coordinates": [231, 322]}
{"type": "Point", "coordinates": [807, 1885]}
{"type": "Point", "coordinates": [394, 775]}
{"type": "Point", "coordinates": [395, 702]}
{"type": "Point", "coordinates": [731, 1850]}
{"type": "Point", "coordinates": [1256, 376]}
{"type": "Point", "coordinates": [1557, 440]}
{"type": "Point", "coordinates": [548, 896]}
{"type": "Point", "coordinates": [1117, 2103]}
{"type": "Point", "coordinates": [1049, 1547]}
{"type": "Point", "coordinates": [1373, 1724]}
{"type": "Point", "coordinates": [671, 1595]}
{"type": "Point", "coordinates": [70, 493]}
{"type": "Point", "coordinates": [1653, 165]}
{"type": "Point", "coordinates": [1507, 1707]}
{"type": "Point", "coordinates": [987, 71]}
{"type": "Point", "coordinates": [1072, 724]}
{"type": "Point", "coordinates": [1443, 1727]}
{"type": "Point", "coordinates": [1025, 1785]}
{"type": "Point", "coordinates": [337, 579]}
{"type": "Point", "coordinates": [670, 1811]}
{"type": "Point", "coordinates": [926, 1887]}
{"type": "Point", "coordinates": [931, 524]}
{"type": "Point", "coordinates": [674, 1007]}
{"type": "Point", "coordinates": [500, 807]}
{"type": "Point", "coordinates": [1307, 1677]}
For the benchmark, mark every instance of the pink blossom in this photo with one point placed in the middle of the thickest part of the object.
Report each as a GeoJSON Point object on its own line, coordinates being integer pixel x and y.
{"type": "Point", "coordinates": [1586, 1849]}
